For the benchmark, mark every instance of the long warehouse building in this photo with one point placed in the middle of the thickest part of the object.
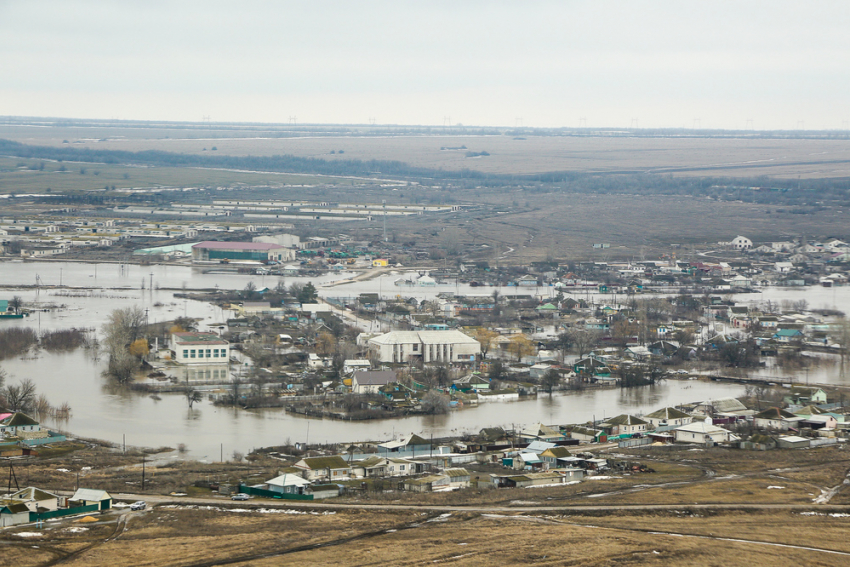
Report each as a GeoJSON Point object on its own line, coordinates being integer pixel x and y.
{"type": "Point", "coordinates": [211, 251]}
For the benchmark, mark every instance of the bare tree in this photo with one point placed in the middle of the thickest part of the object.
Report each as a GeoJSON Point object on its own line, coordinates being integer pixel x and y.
{"type": "Point", "coordinates": [16, 303]}
{"type": "Point", "coordinates": [584, 340]}
{"type": "Point", "coordinates": [21, 396]}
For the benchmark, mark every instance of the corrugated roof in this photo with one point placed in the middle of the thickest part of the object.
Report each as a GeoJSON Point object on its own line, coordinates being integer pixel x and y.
{"type": "Point", "coordinates": [90, 495]}
{"type": "Point", "coordinates": [217, 245]}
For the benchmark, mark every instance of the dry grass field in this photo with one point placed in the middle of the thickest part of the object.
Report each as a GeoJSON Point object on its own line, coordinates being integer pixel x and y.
{"type": "Point", "coordinates": [169, 536]}
{"type": "Point", "coordinates": [693, 156]}
{"type": "Point", "coordinates": [475, 527]}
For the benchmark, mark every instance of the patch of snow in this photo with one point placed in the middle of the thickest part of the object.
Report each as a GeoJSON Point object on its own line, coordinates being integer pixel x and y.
{"type": "Point", "coordinates": [63, 470]}
{"type": "Point", "coordinates": [778, 487]}
{"type": "Point", "coordinates": [29, 534]}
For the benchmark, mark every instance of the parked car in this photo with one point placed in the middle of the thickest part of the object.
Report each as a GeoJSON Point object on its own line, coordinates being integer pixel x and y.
{"type": "Point", "coordinates": [240, 496]}
{"type": "Point", "coordinates": [140, 505]}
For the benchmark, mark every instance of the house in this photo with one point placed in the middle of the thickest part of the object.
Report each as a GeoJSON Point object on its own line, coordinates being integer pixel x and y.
{"type": "Point", "coordinates": [776, 418]}
{"type": "Point", "coordinates": [427, 483]}
{"type": "Point", "coordinates": [371, 381]}
{"type": "Point", "coordinates": [528, 461]}
{"type": "Point", "coordinates": [370, 467]}
{"type": "Point", "coordinates": [13, 513]}
{"type": "Point", "coordinates": [91, 496]}
{"type": "Point", "coordinates": [287, 484]}
{"type": "Point", "coordinates": [493, 435]}
{"type": "Point", "coordinates": [783, 267]}
{"type": "Point", "coordinates": [667, 417]}
{"type": "Point", "coordinates": [13, 424]}
{"type": "Point", "coordinates": [425, 346]}
{"type": "Point", "coordinates": [354, 364]}
{"type": "Point", "coordinates": [199, 348]}
{"type": "Point", "coordinates": [793, 442]}
{"type": "Point", "coordinates": [788, 335]}
{"type": "Point", "coordinates": [587, 434]}
{"type": "Point", "coordinates": [541, 432]}
{"type": "Point", "coordinates": [801, 395]}
{"type": "Point", "coordinates": [458, 478]}
{"type": "Point", "coordinates": [703, 432]}
{"type": "Point", "coordinates": [552, 455]}
{"type": "Point", "coordinates": [324, 468]}
{"type": "Point", "coordinates": [741, 243]}
{"type": "Point", "coordinates": [625, 425]}
{"type": "Point", "coordinates": [35, 499]}
{"type": "Point", "coordinates": [470, 383]}
{"type": "Point", "coordinates": [406, 446]}
{"type": "Point", "coordinates": [400, 467]}
{"type": "Point", "coordinates": [663, 348]}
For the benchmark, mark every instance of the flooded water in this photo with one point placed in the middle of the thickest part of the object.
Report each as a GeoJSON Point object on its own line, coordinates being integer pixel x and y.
{"type": "Point", "coordinates": [103, 411]}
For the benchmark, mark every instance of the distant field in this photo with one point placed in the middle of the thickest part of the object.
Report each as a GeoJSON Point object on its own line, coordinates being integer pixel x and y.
{"type": "Point", "coordinates": [732, 157]}
{"type": "Point", "coordinates": [565, 226]}
{"type": "Point", "coordinates": [25, 176]}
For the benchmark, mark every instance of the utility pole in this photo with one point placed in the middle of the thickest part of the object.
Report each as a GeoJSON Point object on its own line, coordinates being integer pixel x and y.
{"type": "Point", "coordinates": [143, 472]}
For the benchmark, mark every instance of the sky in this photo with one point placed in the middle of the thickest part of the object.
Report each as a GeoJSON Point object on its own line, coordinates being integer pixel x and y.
{"type": "Point", "coordinates": [740, 64]}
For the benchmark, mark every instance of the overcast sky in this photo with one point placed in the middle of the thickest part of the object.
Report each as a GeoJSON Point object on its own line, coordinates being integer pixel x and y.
{"type": "Point", "coordinates": [781, 64]}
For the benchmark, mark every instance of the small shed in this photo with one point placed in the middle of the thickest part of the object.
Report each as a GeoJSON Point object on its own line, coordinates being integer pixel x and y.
{"type": "Point", "coordinates": [792, 442]}
{"type": "Point", "coordinates": [90, 496]}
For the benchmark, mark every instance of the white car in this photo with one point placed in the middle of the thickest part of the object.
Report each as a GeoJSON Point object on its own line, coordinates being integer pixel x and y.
{"type": "Point", "coordinates": [140, 505]}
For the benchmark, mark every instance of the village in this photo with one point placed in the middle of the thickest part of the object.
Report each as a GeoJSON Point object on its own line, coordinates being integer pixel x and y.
{"type": "Point", "coordinates": [539, 330]}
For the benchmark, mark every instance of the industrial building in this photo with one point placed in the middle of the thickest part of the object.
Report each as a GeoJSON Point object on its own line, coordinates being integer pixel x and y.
{"type": "Point", "coordinates": [212, 251]}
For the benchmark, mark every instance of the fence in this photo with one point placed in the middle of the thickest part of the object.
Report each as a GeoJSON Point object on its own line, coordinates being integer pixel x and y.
{"type": "Point", "coordinates": [36, 516]}
{"type": "Point", "coordinates": [636, 442]}
{"type": "Point", "coordinates": [54, 438]}
{"type": "Point", "coordinates": [271, 494]}
{"type": "Point", "coordinates": [820, 442]}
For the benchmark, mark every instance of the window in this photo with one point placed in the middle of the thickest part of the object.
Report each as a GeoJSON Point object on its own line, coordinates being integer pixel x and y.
{"type": "Point", "coordinates": [192, 353]}
{"type": "Point", "coordinates": [200, 353]}
{"type": "Point", "coordinates": [208, 353]}
{"type": "Point", "coordinates": [401, 467]}
{"type": "Point", "coordinates": [415, 348]}
{"type": "Point", "coordinates": [185, 353]}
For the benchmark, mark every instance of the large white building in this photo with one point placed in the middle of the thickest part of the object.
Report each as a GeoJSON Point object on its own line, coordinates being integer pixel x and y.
{"type": "Point", "coordinates": [199, 348]}
{"type": "Point", "coordinates": [427, 346]}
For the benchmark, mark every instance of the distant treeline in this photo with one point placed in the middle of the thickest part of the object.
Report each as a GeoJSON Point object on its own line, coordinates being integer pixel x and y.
{"type": "Point", "coordinates": [278, 163]}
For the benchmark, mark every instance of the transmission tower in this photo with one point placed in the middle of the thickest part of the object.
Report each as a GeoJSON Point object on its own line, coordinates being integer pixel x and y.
{"type": "Point", "coordinates": [293, 120]}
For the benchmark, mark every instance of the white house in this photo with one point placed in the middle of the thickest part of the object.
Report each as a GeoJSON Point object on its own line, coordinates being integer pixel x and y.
{"type": "Point", "coordinates": [425, 346]}
{"type": "Point", "coordinates": [370, 381]}
{"type": "Point", "coordinates": [703, 432]}
{"type": "Point", "coordinates": [352, 364]}
{"type": "Point", "coordinates": [741, 243]}
{"type": "Point", "coordinates": [668, 416]}
{"type": "Point", "coordinates": [783, 267]}
{"type": "Point", "coordinates": [199, 348]}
